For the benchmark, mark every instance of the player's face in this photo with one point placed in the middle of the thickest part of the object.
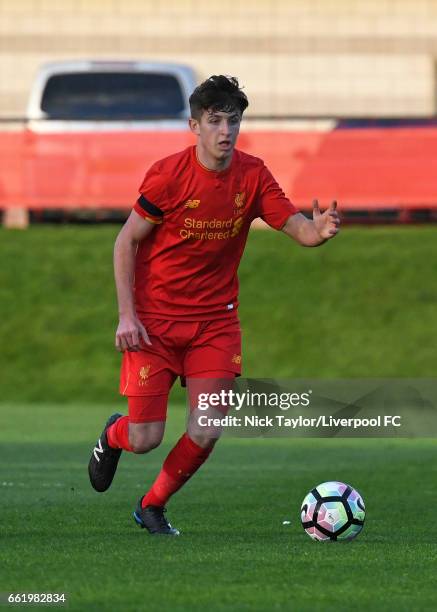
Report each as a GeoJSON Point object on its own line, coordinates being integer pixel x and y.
{"type": "Point", "coordinates": [217, 133]}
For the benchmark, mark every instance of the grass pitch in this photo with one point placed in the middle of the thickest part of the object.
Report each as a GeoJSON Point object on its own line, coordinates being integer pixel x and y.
{"type": "Point", "coordinates": [362, 306]}
{"type": "Point", "coordinates": [234, 552]}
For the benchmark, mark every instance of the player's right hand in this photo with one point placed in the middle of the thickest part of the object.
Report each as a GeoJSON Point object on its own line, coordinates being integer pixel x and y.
{"type": "Point", "coordinates": [130, 334]}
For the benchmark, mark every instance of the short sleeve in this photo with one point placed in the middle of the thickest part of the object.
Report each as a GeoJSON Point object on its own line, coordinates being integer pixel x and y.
{"type": "Point", "coordinates": [152, 203]}
{"type": "Point", "coordinates": [273, 205]}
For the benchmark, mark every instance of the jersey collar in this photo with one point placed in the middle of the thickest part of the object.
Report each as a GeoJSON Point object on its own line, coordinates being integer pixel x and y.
{"type": "Point", "coordinates": [207, 171]}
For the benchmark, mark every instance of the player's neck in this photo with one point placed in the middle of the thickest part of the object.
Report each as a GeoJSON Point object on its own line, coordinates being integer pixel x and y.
{"type": "Point", "coordinates": [211, 163]}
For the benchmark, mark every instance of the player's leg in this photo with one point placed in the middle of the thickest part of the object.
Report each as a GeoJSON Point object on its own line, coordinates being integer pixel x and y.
{"type": "Point", "coordinates": [195, 445]}
{"type": "Point", "coordinates": [201, 426]}
{"type": "Point", "coordinates": [142, 435]}
{"type": "Point", "coordinates": [217, 349]}
{"type": "Point", "coordinates": [143, 429]}
{"type": "Point", "coordinates": [139, 432]}
{"type": "Point", "coordinates": [146, 378]}
{"type": "Point", "coordinates": [213, 352]}
{"type": "Point", "coordinates": [212, 360]}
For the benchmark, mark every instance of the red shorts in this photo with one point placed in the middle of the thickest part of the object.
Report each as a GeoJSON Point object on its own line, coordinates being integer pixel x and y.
{"type": "Point", "coordinates": [179, 348]}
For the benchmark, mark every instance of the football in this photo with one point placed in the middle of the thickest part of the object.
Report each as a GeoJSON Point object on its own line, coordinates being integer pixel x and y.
{"type": "Point", "coordinates": [333, 511]}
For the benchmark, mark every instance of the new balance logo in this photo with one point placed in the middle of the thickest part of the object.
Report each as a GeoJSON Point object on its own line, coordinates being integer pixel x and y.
{"type": "Point", "coordinates": [98, 449]}
{"type": "Point", "coordinates": [192, 204]}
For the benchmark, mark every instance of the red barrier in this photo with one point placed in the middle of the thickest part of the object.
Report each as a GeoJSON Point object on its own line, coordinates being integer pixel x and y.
{"type": "Point", "coordinates": [361, 168]}
{"type": "Point", "coordinates": [371, 168]}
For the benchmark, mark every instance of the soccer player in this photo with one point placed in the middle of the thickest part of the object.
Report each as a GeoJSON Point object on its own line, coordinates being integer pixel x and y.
{"type": "Point", "coordinates": [176, 261]}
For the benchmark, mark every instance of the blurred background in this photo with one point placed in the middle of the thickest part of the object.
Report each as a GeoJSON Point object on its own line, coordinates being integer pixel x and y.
{"type": "Point", "coordinates": [307, 57]}
{"type": "Point", "coordinates": [342, 105]}
{"type": "Point", "coordinates": [342, 100]}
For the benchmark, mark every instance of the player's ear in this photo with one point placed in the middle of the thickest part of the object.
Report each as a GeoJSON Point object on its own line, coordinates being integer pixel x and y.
{"type": "Point", "coordinates": [194, 125]}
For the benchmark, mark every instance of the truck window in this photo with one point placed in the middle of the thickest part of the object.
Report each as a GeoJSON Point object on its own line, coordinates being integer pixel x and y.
{"type": "Point", "coordinates": [112, 96]}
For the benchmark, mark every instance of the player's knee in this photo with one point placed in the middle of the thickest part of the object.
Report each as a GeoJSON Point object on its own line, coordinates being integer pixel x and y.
{"type": "Point", "coordinates": [144, 442]}
{"type": "Point", "coordinates": [140, 447]}
{"type": "Point", "coordinates": [205, 439]}
{"type": "Point", "coordinates": [204, 436]}
{"type": "Point", "coordinates": [154, 441]}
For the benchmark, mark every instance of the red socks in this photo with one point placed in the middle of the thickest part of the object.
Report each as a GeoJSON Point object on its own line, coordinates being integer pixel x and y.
{"type": "Point", "coordinates": [181, 463]}
{"type": "Point", "coordinates": [118, 434]}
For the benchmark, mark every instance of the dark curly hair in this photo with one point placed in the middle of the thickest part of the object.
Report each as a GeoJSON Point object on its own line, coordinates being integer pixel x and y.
{"type": "Point", "coordinates": [218, 93]}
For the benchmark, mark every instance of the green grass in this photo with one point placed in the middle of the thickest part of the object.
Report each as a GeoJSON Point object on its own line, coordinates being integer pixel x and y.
{"type": "Point", "coordinates": [362, 306]}
{"type": "Point", "coordinates": [234, 552]}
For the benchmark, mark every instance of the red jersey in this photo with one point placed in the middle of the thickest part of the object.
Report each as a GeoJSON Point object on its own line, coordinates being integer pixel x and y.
{"type": "Point", "coordinates": [187, 268]}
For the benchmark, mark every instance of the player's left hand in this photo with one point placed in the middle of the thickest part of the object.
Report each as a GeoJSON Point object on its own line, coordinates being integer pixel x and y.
{"type": "Point", "coordinates": [327, 223]}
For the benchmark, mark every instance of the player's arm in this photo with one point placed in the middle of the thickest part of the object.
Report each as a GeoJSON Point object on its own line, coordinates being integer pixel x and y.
{"type": "Point", "coordinates": [313, 232]}
{"type": "Point", "coordinates": [130, 330]}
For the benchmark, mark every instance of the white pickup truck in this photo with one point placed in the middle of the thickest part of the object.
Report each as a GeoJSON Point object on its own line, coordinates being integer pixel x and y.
{"type": "Point", "coordinates": [110, 95]}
